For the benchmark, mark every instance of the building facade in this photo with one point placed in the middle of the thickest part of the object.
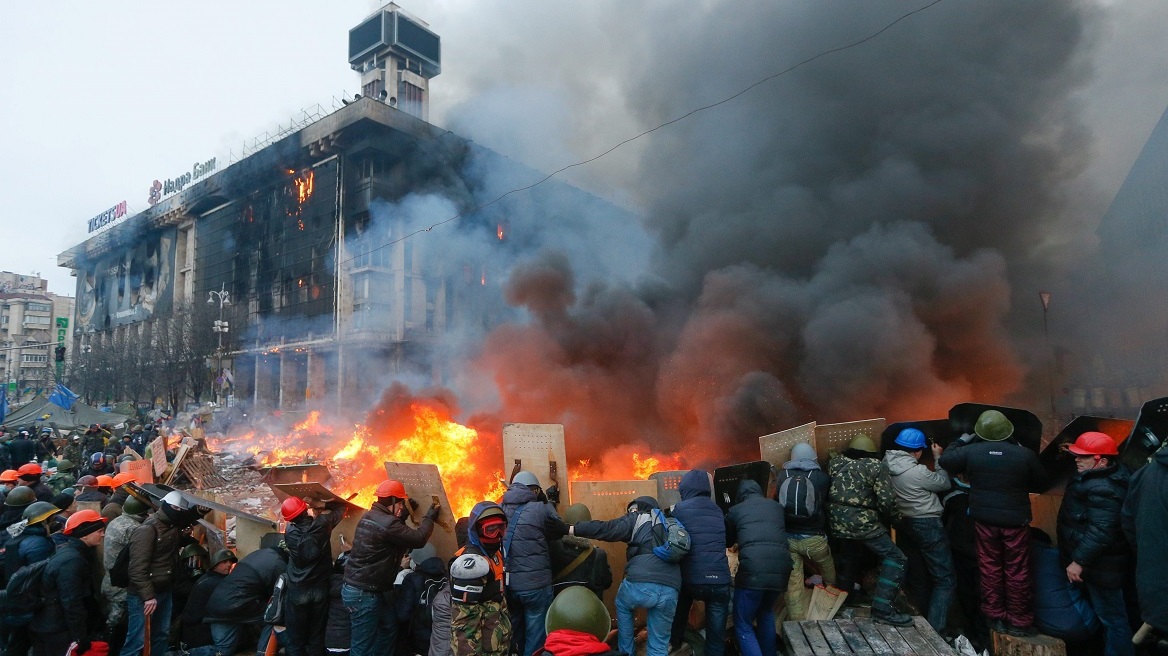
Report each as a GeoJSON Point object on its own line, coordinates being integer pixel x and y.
{"type": "Point", "coordinates": [34, 335]}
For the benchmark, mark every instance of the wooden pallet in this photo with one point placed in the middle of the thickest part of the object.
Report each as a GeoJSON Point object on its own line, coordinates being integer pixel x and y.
{"type": "Point", "coordinates": [863, 636]}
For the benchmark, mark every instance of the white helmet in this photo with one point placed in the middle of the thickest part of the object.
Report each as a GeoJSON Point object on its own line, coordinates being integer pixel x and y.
{"type": "Point", "coordinates": [176, 499]}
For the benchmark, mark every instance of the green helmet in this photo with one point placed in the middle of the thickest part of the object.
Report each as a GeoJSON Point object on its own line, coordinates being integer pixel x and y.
{"type": "Point", "coordinates": [863, 443]}
{"type": "Point", "coordinates": [191, 550]}
{"type": "Point", "coordinates": [223, 555]}
{"type": "Point", "coordinates": [52, 463]}
{"type": "Point", "coordinates": [578, 609]}
{"type": "Point", "coordinates": [577, 513]}
{"type": "Point", "coordinates": [992, 426]}
{"type": "Point", "coordinates": [21, 495]}
{"type": "Point", "coordinates": [39, 511]}
{"type": "Point", "coordinates": [132, 506]}
{"type": "Point", "coordinates": [64, 464]}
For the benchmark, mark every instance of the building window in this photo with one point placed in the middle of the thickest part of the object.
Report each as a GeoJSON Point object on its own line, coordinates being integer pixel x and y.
{"type": "Point", "coordinates": [37, 320]}
{"type": "Point", "coordinates": [410, 99]}
{"type": "Point", "coordinates": [34, 358]}
{"type": "Point", "coordinates": [39, 307]}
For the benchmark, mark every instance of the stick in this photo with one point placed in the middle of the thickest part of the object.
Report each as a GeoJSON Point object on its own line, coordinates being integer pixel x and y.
{"type": "Point", "coordinates": [273, 645]}
{"type": "Point", "coordinates": [146, 641]}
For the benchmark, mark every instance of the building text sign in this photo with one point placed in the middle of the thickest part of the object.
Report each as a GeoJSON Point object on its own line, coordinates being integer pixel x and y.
{"type": "Point", "coordinates": [176, 184]}
{"type": "Point", "coordinates": [107, 217]}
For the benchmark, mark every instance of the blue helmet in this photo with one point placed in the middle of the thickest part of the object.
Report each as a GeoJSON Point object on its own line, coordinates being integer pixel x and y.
{"type": "Point", "coordinates": [911, 439]}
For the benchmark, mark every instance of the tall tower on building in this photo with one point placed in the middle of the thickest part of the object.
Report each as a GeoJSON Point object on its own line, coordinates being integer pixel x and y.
{"type": "Point", "coordinates": [396, 55]}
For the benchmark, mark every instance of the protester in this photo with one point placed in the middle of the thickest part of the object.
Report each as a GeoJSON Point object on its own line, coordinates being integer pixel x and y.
{"type": "Point", "coordinates": [338, 633]}
{"type": "Point", "coordinates": [415, 597]}
{"type": "Point", "coordinates": [1145, 525]}
{"type": "Point", "coordinates": [117, 537]}
{"type": "Point", "coordinates": [8, 480]}
{"type": "Point", "coordinates": [756, 524]}
{"type": "Point", "coordinates": [1002, 474]}
{"type": "Point", "coordinates": [1090, 535]}
{"type": "Point", "coordinates": [705, 571]}
{"type": "Point", "coordinates": [576, 561]}
{"type": "Point", "coordinates": [14, 504]}
{"type": "Point", "coordinates": [29, 539]}
{"type": "Point", "coordinates": [196, 634]}
{"type": "Point", "coordinates": [802, 488]}
{"type": "Point", "coordinates": [308, 537]}
{"type": "Point", "coordinates": [62, 477]}
{"type": "Point", "coordinates": [531, 523]}
{"type": "Point", "coordinates": [379, 542]}
{"type": "Point", "coordinates": [70, 612]}
{"type": "Point", "coordinates": [577, 623]}
{"type": "Point", "coordinates": [238, 602]}
{"type": "Point", "coordinates": [30, 475]}
{"type": "Point", "coordinates": [479, 621]}
{"type": "Point", "coordinates": [929, 577]}
{"type": "Point", "coordinates": [22, 449]}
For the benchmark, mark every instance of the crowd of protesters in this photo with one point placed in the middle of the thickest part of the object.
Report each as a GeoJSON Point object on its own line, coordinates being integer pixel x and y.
{"type": "Point", "coordinates": [93, 564]}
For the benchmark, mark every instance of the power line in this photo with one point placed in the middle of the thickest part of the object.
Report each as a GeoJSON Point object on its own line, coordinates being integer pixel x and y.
{"type": "Point", "coordinates": [680, 118]}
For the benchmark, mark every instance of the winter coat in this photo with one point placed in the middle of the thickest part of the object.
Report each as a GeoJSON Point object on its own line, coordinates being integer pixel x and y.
{"type": "Point", "coordinates": [43, 492]}
{"type": "Point", "coordinates": [959, 526]}
{"type": "Point", "coordinates": [641, 565]}
{"type": "Point", "coordinates": [1001, 477]}
{"type": "Point", "coordinates": [817, 523]}
{"type": "Point", "coordinates": [1089, 529]}
{"type": "Point", "coordinates": [916, 486]}
{"type": "Point", "coordinates": [310, 558]}
{"type": "Point", "coordinates": [195, 632]}
{"type": "Point", "coordinates": [407, 599]}
{"type": "Point", "coordinates": [117, 536]}
{"type": "Point", "coordinates": [31, 544]}
{"type": "Point", "coordinates": [530, 525]}
{"type": "Point", "coordinates": [755, 524]}
{"type": "Point", "coordinates": [242, 596]}
{"type": "Point", "coordinates": [706, 563]}
{"type": "Point", "coordinates": [338, 631]}
{"type": "Point", "coordinates": [379, 542]}
{"type": "Point", "coordinates": [22, 451]}
{"type": "Point", "coordinates": [592, 571]}
{"type": "Point", "coordinates": [861, 497]}
{"type": "Point", "coordinates": [11, 515]}
{"type": "Point", "coordinates": [70, 596]}
{"type": "Point", "coordinates": [1061, 609]}
{"type": "Point", "coordinates": [440, 624]}
{"type": "Point", "coordinates": [153, 556]}
{"type": "Point", "coordinates": [1145, 523]}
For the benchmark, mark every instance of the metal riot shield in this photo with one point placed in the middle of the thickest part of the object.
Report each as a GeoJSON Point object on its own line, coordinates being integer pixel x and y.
{"type": "Point", "coordinates": [834, 438]}
{"type": "Point", "coordinates": [1027, 427]}
{"type": "Point", "coordinates": [726, 480]}
{"type": "Point", "coordinates": [1149, 433]}
{"type": "Point", "coordinates": [667, 481]}
{"type": "Point", "coordinates": [1059, 465]}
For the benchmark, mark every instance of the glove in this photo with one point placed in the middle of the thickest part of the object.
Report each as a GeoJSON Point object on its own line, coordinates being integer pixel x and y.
{"type": "Point", "coordinates": [413, 505]}
{"type": "Point", "coordinates": [553, 495]}
{"type": "Point", "coordinates": [966, 438]}
{"type": "Point", "coordinates": [432, 513]}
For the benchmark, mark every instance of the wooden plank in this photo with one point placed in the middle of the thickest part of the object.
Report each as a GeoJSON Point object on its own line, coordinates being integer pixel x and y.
{"type": "Point", "coordinates": [178, 461]}
{"type": "Point", "coordinates": [815, 638]}
{"type": "Point", "coordinates": [158, 455]}
{"type": "Point", "coordinates": [832, 634]}
{"type": "Point", "coordinates": [914, 639]}
{"type": "Point", "coordinates": [143, 470]}
{"type": "Point", "coordinates": [856, 640]}
{"type": "Point", "coordinates": [930, 635]}
{"type": "Point", "coordinates": [1005, 644]}
{"type": "Point", "coordinates": [536, 446]}
{"type": "Point", "coordinates": [797, 644]}
{"type": "Point", "coordinates": [894, 639]}
{"type": "Point", "coordinates": [872, 635]}
{"type": "Point", "coordinates": [776, 447]}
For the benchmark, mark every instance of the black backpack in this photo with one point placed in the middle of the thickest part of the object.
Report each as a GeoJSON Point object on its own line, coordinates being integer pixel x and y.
{"type": "Point", "coordinates": [423, 616]}
{"type": "Point", "coordinates": [797, 495]}
{"type": "Point", "coordinates": [24, 595]}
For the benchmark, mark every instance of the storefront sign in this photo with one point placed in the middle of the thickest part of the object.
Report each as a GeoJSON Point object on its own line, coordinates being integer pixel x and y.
{"type": "Point", "coordinates": [107, 217]}
{"type": "Point", "coordinates": [161, 189]}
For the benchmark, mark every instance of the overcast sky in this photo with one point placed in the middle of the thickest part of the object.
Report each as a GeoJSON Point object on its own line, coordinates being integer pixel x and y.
{"type": "Point", "coordinates": [102, 98]}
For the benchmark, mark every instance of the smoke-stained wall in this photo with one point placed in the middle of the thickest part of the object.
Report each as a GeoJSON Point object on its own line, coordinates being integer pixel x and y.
{"type": "Point", "coordinates": [128, 285]}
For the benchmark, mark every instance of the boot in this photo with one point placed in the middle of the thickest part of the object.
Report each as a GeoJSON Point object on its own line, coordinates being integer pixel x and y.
{"type": "Point", "coordinates": [887, 588]}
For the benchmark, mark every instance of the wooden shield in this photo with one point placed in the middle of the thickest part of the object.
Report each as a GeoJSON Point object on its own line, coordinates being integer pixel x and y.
{"type": "Point", "coordinates": [536, 446]}
{"type": "Point", "coordinates": [422, 482]}
{"type": "Point", "coordinates": [608, 500]}
{"type": "Point", "coordinates": [776, 447]}
{"type": "Point", "coordinates": [835, 437]}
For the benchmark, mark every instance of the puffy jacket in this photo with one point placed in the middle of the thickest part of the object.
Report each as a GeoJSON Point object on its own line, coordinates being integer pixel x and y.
{"type": "Point", "coordinates": [440, 624]}
{"type": "Point", "coordinates": [242, 596]}
{"type": "Point", "coordinates": [1089, 527]}
{"type": "Point", "coordinates": [153, 556]}
{"type": "Point", "coordinates": [22, 450]}
{"type": "Point", "coordinates": [1145, 523]}
{"type": "Point", "coordinates": [195, 632]}
{"type": "Point", "coordinates": [641, 565]}
{"type": "Point", "coordinates": [379, 542]}
{"type": "Point", "coordinates": [817, 523]}
{"type": "Point", "coordinates": [1001, 477]}
{"type": "Point", "coordinates": [706, 563]}
{"type": "Point", "coordinates": [1060, 607]}
{"type": "Point", "coordinates": [310, 559]}
{"type": "Point", "coordinates": [755, 524]}
{"type": "Point", "coordinates": [916, 486]}
{"type": "Point", "coordinates": [861, 497]}
{"type": "Point", "coordinates": [70, 597]}
{"type": "Point", "coordinates": [530, 524]}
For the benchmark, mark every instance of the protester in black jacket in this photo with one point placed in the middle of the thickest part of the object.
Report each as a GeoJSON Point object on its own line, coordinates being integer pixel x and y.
{"type": "Point", "coordinates": [196, 634]}
{"type": "Point", "coordinates": [1145, 523]}
{"type": "Point", "coordinates": [338, 632]}
{"type": "Point", "coordinates": [705, 572]}
{"type": "Point", "coordinates": [756, 525]}
{"type": "Point", "coordinates": [414, 598]}
{"type": "Point", "coordinates": [310, 564]}
{"type": "Point", "coordinates": [22, 449]}
{"type": "Point", "coordinates": [241, 598]}
{"type": "Point", "coordinates": [71, 612]}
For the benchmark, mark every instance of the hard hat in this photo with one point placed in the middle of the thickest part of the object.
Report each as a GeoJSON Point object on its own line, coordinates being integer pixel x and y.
{"type": "Point", "coordinates": [132, 506]}
{"type": "Point", "coordinates": [51, 463]}
{"type": "Point", "coordinates": [803, 451]}
{"type": "Point", "coordinates": [911, 439]}
{"type": "Point", "coordinates": [292, 508]}
{"type": "Point", "coordinates": [123, 478]}
{"type": "Point", "coordinates": [29, 469]}
{"type": "Point", "coordinates": [391, 488]}
{"type": "Point", "coordinates": [105, 480]}
{"type": "Point", "coordinates": [176, 499]}
{"type": "Point", "coordinates": [1092, 443]}
{"type": "Point", "coordinates": [992, 426]}
{"type": "Point", "coordinates": [224, 555]}
{"type": "Point", "coordinates": [46, 430]}
{"type": "Point", "coordinates": [20, 496]}
{"type": "Point", "coordinates": [39, 511]}
{"type": "Point", "coordinates": [578, 609]}
{"type": "Point", "coordinates": [65, 463]}
{"type": "Point", "coordinates": [526, 478]}
{"type": "Point", "coordinates": [863, 443]}
{"type": "Point", "coordinates": [491, 511]}
{"type": "Point", "coordinates": [9, 476]}
{"type": "Point", "coordinates": [192, 550]}
{"type": "Point", "coordinates": [83, 522]}
{"type": "Point", "coordinates": [577, 513]}
{"type": "Point", "coordinates": [88, 480]}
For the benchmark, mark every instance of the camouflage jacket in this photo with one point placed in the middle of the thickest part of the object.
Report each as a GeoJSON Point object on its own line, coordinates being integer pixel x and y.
{"type": "Point", "coordinates": [117, 536]}
{"type": "Point", "coordinates": [60, 481]}
{"type": "Point", "coordinates": [861, 496]}
{"type": "Point", "coordinates": [482, 628]}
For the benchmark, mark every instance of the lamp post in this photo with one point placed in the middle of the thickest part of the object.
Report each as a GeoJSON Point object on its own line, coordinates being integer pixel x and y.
{"type": "Point", "coordinates": [220, 327]}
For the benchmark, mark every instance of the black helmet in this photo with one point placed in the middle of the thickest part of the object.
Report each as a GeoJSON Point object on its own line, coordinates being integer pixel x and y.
{"type": "Point", "coordinates": [223, 555]}
{"type": "Point", "coordinates": [579, 609]}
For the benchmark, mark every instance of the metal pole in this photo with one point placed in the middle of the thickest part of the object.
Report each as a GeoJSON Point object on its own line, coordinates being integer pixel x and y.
{"type": "Point", "coordinates": [1050, 359]}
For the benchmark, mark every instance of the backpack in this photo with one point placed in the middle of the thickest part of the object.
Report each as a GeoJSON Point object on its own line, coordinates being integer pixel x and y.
{"type": "Point", "coordinates": [119, 574]}
{"type": "Point", "coordinates": [673, 542]}
{"type": "Point", "coordinates": [422, 619]}
{"type": "Point", "coordinates": [797, 494]}
{"type": "Point", "coordinates": [24, 596]}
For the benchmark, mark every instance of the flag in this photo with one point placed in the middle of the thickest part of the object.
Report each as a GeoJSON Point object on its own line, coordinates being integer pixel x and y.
{"type": "Point", "coordinates": [63, 397]}
{"type": "Point", "coordinates": [3, 403]}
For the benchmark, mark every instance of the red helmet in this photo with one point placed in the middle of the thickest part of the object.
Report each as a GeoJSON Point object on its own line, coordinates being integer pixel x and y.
{"type": "Point", "coordinates": [292, 508]}
{"type": "Point", "coordinates": [1094, 444]}
{"type": "Point", "coordinates": [391, 488]}
{"type": "Point", "coordinates": [81, 518]}
{"type": "Point", "coordinates": [9, 476]}
{"type": "Point", "coordinates": [30, 469]}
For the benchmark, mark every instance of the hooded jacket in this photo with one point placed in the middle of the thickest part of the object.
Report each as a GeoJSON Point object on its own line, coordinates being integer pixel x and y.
{"type": "Point", "coordinates": [530, 525]}
{"type": "Point", "coordinates": [861, 497]}
{"type": "Point", "coordinates": [29, 544]}
{"type": "Point", "coordinates": [1145, 523]}
{"type": "Point", "coordinates": [242, 596]}
{"type": "Point", "coordinates": [488, 588]}
{"type": "Point", "coordinates": [379, 542]}
{"type": "Point", "coordinates": [408, 598]}
{"type": "Point", "coordinates": [641, 565]}
{"type": "Point", "coordinates": [154, 549]}
{"type": "Point", "coordinates": [196, 633]}
{"type": "Point", "coordinates": [916, 485]}
{"type": "Point", "coordinates": [755, 524]}
{"type": "Point", "coordinates": [815, 524]}
{"type": "Point", "coordinates": [1089, 530]}
{"type": "Point", "coordinates": [1001, 477]}
{"type": "Point", "coordinates": [706, 563]}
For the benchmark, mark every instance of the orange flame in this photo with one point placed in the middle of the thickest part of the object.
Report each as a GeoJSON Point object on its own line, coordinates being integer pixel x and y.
{"type": "Point", "coordinates": [304, 185]}
{"type": "Point", "coordinates": [500, 232]}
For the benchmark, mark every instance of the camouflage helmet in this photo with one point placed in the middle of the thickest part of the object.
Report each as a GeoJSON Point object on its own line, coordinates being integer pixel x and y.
{"type": "Point", "coordinates": [39, 511]}
{"type": "Point", "coordinates": [992, 426]}
{"type": "Point", "coordinates": [579, 609]}
{"type": "Point", "coordinates": [577, 513]}
{"type": "Point", "coordinates": [20, 496]}
{"type": "Point", "coordinates": [863, 443]}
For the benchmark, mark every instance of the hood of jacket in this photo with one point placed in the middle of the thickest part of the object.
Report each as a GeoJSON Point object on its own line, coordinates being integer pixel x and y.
{"type": "Point", "coordinates": [472, 534]}
{"type": "Point", "coordinates": [432, 568]}
{"type": "Point", "coordinates": [516, 494]}
{"type": "Point", "coordinates": [806, 464]}
{"type": "Point", "coordinates": [898, 462]}
{"type": "Point", "coordinates": [1161, 457]}
{"type": "Point", "coordinates": [645, 504]}
{"type": "Point", "coordinates": [695, 483]}
{"type": "Point", "coordinates": [748, 488]}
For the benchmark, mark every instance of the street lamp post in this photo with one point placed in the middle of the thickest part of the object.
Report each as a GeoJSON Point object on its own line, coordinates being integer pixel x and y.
{"type": "Point", "coordinates": [219, 327]}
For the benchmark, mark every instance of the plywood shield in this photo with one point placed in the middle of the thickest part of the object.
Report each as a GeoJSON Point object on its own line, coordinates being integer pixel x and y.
{"type": "Point", "coordinates": [608, 500]}
{"type": "Point", "coordinates": [143, 470]}
{"type": "Point", "coordinates": [776, 447]}
{"type": "Point", "coordinates": [835, 437]}
{"type": "Point", "coordinates": [667, 481]}
{"type": "Point", "coordinates": [536, 446]}
{"type": "Point", "coordinates": [422, 483]}
{"type": "Point", "coordinates": [726, 480]}
{"type": "Point", "coordinates": [158, 455]}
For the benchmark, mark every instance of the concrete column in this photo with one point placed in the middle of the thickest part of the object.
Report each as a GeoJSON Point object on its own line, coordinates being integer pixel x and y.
{"type": "Point", "coordinates": [288, 391]}
{"type": "Point", "coordinates": [317, 392]}
{"type": "Point", "coordinates": [266, 391]}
